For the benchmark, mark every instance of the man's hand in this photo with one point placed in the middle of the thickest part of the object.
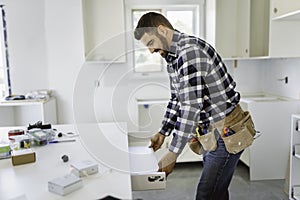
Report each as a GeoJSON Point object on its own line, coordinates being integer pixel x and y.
{"type": "Point", "coordinates": [156, 141]}
{"type": "Point", "coordinates": [167, 163]}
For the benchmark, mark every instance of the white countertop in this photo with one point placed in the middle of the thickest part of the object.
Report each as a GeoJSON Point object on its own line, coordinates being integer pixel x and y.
{"type": "Point", "coordinates": [263, 97]}
{"type": "Point", "coordinates": [31, 180]}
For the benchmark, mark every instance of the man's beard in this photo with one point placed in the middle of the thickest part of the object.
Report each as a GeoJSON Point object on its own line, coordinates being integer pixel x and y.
{"type": "Point", "coordinates": [165, 51]}
{"type": "Point", "coordinates": [161, 52]}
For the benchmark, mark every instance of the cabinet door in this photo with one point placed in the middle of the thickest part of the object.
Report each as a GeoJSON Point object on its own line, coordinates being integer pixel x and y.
{"type": "Point", "coordinates": [259, 28]}
{"type": "Point", "coordinates": [103, 23]}
{"type": "Point", "coordinates": [284, 8]}
{"type": "Point", "coordinates": [294, 175]}
{"type": "Point", "coordinates": [284, 38]}
{"type": "Point", "coordinates": [238, 29]}
{"type": "Point", "coordinates": [285, 28]}
{"type": "Point", "coordinates": [229, 27]}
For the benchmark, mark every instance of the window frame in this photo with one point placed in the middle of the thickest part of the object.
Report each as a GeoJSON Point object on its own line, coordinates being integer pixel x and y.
{"type": "Point", "coordinates": [4, 83]}
{"type": "Point", "coordinates": [197, 6]}
{"type": "Point", "coordinates": [134, 41]}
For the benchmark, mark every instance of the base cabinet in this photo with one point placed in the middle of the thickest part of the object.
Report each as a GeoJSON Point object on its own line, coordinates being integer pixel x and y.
{"type": "Point", "coordinates": [150, 115]}
{"type": "Point", "coordinates": [267, 157]}
{"type": "Point", "coordinates": [21, 113]}
{"type": "Point", "coordinates": [294, 184]}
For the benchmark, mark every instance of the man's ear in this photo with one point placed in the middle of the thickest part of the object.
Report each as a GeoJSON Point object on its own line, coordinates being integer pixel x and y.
{"type": "Point", "coordinates": [162, 30]}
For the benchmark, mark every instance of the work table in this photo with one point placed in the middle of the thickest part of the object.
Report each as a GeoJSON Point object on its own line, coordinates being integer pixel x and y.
{"type": "Point", "coordinates": [105, 143]}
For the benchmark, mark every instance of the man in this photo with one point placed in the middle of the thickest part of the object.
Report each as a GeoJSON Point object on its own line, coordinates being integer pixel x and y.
{"type": "Point", "coordinates": [202, 93]}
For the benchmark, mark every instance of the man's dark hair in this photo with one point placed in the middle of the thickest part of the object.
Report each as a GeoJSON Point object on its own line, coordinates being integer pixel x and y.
{"type": "Point", "coordinates": [149, 22]}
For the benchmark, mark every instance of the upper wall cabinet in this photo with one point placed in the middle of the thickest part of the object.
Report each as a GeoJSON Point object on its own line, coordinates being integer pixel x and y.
{"type": "Point", "coordinates": [285, 9]}
{"type": "Point", "coordinates": [285, 28]}
{"type": "Point", "coordinates": [104, 26]}
{"type": "Point", "coordinates": [238, 29]}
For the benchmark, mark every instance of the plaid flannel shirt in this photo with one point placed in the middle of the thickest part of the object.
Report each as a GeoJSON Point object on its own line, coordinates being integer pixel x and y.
{"type": "Point", "coordinates": [201, 89]}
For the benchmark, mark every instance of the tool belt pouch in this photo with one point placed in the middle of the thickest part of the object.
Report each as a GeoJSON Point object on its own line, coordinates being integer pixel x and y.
{"type": "Point", "coordinates": [243, 136]}
{"type": "Point", "coordinates": [208, 141]}
{"type": "Point", "coordinates": [196, 146]}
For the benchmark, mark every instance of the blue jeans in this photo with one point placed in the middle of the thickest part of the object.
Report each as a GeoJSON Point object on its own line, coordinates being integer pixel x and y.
{"type": "Point", "coordinates": [218, 169]}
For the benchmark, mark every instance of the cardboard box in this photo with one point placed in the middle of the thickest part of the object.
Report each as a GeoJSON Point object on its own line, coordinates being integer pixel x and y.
{"type": "Point", "coordinates": [22, 156]}
{"type": "Point", "coordinates": [4, 150]}
{"type": "Point", "coordinates": [84, 168]}
{"type": "Point", "coordinates": [65, 184]}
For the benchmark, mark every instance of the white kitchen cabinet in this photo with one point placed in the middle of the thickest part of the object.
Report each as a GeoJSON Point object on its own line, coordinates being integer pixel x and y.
{"type": "Point", "coordinates": [21, 113]}
{"type": "Point", "coordinates": [103, 23]}
{"type": "Point", "coordinates": [294, 176]}
{"type": "Point", "coordinates": [287, 9]}
{"type": "Point", "coordinates": [267, 157]}
{"type": "Point", "coordinates": [284, 28]}
{"type": "Point", "coordinates": [238, 29]}
{"type": "Point", "coordinates": [150, 115]}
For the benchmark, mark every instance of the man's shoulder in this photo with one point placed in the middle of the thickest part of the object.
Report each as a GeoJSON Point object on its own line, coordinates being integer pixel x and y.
{"type": "Point", "coordinates": [191, 40]}
{"type": "Point", "coordinates": [192, 43]}
{"type": "Point", "coordinates": [196, 47]}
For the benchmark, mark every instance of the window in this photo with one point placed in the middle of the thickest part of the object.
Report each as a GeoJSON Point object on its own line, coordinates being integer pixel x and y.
{"type": "Point", "coordinates": [2, 78]}
{"type": "Point", "coordinates": [4, 83]}
{"type": "Point", "coordinates": [184, 17]}
{"type": "Point", "coordinates": [2, 62]}
{"type": "Point", "coordinates": [143, 60]}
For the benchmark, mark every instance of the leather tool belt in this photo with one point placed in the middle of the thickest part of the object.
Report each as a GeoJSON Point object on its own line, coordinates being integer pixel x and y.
{"type": "Point", "coordinates": [237, 131]}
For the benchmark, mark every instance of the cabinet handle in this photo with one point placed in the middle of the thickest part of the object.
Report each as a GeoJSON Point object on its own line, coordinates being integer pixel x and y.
{"type": "Point", "coordinates": [275, 10]}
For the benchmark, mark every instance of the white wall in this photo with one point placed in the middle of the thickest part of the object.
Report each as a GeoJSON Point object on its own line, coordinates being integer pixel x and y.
{"type": "Point", "coordinates": [279, 68]}
{"type": "Point", "coordinates": [263, 75]}
{"type": "Point", "coordinates": [46, 37]}
{"type": "Point", "coordinates": [27, 45]}
{"type": "Point", "coordinates": [115, 99]}
{"type": "Point", "coordinates": [248, 74]}
{"type": "Point", "coordinates": [65, 51]}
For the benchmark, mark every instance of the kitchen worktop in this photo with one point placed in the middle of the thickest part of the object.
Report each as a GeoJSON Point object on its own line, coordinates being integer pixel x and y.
{"type": "Point", "coordinates": [263, 97]}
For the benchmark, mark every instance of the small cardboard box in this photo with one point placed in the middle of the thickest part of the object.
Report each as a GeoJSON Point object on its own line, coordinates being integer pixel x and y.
{"type": "Point", "coordinates": [4, 150]}
{"type": "Point", "coordinates": [23, 156]}
{"type": "Point", "coordinates": [84, 168]}
{"type": "Point", "coordinates": [65, 184]}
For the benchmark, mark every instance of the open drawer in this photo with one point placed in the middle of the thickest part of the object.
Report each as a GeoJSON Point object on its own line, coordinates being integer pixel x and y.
{"type": "Point", "coordinates": [143, 168]}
